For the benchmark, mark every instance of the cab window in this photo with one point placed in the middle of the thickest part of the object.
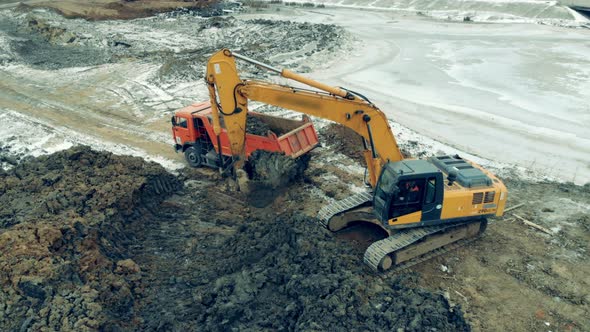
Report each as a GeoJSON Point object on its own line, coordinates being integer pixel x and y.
{"type": "Point", "coordinates": [181, 122]}
{"type": "Point", "coordinates": [410, 192]}
{"type": "Point", "coordinates": [430, 191]}
{"type": "Point", "coordinates": [386, 181]}
{"type": "Point", "coordinates": [409, 198]}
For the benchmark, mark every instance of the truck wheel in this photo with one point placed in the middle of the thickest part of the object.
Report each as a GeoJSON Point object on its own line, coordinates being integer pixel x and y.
{"type": "Point", "coordinates": [193, 156]}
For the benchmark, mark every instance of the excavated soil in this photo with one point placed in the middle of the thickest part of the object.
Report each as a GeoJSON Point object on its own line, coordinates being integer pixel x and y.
{"type": "Point", "coordinates": [94, 241]}
{"type": "Point", "coordinates": [255, 126]}
{"type": "Point", "coordinates": [344, 140]}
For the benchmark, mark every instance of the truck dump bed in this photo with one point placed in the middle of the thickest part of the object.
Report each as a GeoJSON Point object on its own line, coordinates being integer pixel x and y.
{"type": "Point", "coordinates": [292, 137]}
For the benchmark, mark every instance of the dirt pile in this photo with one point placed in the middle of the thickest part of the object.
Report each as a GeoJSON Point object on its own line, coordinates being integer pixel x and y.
{"type": "Point", "coordinates": [87, 242]}
{"type": "Point", "coordinates": [274, 170]}
{"type": "Point", "coordinates": [62, 238]}
{"type": "Point", "coordinates": [255, 126]}
{"type": "Point", "coordinates": [291, 275]}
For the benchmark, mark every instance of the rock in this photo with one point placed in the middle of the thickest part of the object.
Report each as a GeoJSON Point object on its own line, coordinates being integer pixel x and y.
{"type": "Point", "coordinates": [127, 266]}
{"type": "Point", "coordinates": [32, 289]}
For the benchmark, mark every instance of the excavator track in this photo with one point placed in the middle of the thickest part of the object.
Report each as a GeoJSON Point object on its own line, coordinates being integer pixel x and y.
{"type": "Point", "coordinates": [432, 254]}
{"type": "Point", "coordinates": [412, 246]}
{"type": "Point", "coordinates": [328, 211]}
{"type": "Point", "coordinates": [406, 247]}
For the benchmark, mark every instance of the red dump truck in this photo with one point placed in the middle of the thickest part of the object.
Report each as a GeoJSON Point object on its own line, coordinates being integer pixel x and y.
{"type": "Point", "coordinates": [192, 128]}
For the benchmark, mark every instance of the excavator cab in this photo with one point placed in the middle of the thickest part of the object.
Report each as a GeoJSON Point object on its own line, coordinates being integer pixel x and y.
{"type": "Point", "coordinates": [407, 192]}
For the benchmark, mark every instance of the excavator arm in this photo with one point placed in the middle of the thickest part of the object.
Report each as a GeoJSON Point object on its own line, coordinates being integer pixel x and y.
{"type": "Point", "coordinates": [230, 95]}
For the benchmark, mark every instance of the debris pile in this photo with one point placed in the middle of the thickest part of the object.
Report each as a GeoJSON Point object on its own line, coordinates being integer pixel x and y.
{"type": "Point", "coordinates": [274, 170]}
{"type": "Point", "coordinates": [255, 126]}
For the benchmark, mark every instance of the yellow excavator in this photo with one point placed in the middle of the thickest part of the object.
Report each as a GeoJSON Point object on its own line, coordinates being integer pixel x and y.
{"type": "Point", "coordinates": [426, 207]}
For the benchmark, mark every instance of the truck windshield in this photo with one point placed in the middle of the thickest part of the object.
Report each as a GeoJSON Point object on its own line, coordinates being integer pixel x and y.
{"type": "Point", "coordinates": [181, 122]}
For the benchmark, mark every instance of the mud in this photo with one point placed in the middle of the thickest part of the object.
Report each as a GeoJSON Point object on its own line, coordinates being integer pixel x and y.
{"type": "Point", "coordinates": [94, 241]}
{"type": "Point", "coordinates": [302, 279]}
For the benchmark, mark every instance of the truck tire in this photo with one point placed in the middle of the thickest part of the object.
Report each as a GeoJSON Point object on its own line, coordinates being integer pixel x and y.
{"type": "Point", "coordinates": [193, 155]}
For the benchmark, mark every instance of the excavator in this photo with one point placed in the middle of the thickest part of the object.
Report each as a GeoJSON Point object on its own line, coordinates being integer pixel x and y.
{"type": "Point", "coordinates": [425, 206]}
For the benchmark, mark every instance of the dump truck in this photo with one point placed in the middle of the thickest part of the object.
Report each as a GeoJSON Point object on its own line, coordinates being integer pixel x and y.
{"type": "Point", "coordinates": [194, 135]}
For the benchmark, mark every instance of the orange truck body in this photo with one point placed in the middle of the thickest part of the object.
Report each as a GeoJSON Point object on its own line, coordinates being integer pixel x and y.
{"type": "Point", "coordinates": [193, 126]}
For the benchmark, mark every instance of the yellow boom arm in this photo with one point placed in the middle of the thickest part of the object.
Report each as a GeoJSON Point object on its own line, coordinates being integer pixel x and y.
{"type": "Point", "coordinates": [230, 94]}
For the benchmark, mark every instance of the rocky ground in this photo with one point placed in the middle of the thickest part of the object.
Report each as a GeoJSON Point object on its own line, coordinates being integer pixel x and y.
{"type": "Point", "coordinates": [63, 238]}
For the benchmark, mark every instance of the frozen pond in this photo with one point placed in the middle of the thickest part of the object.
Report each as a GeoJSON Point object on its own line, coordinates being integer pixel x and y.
{"type": "Point", "coordinates": [513, 93]}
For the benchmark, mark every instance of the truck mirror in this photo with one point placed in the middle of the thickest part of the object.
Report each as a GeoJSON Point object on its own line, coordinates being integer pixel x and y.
{"type": "Point", "coordinates": [173, 120]}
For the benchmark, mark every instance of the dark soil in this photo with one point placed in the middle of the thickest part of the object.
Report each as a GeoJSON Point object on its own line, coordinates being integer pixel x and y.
{"type": "Point", "coordinates": [215, 264]}
{"type": "Point", "coordinates": [255, 126]}
{"type": "Point", "coordinates": [275, 170]}
{"type": "Point", "coordinates": [344, 140]}
{"type": "Point", "coordinates": [63, 246]}
{"type": "Point", "coordinates": [303, 279]}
